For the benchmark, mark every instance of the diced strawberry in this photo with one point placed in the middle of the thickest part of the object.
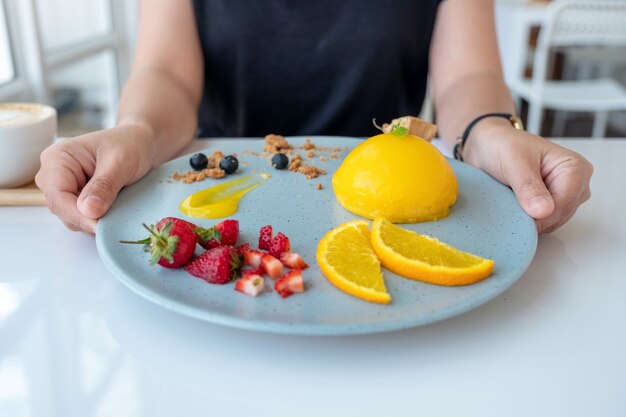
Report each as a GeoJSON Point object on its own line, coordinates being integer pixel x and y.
{"type": "Point", "coordinates": [282, 288]}
{"type": "Point", "coordinates": [279, 245]}
{"type": "Point", "coordinates": [250, 270]}
{"type": "Point", "coordinates": [289, 283]}
{"type": "Point", "coordinates": [294, 280]}
{"type": "Point", "coordinates": [253, 257]}
{"type": "Point", "coordinates": [243, 248]}
{"type": "Point", "coordinates": [265, 237]}
{"type": "Point", "coordinates": [250, 284]}
{"type": "Point", "coordinates": [224, 233]}
{"type": "Point", "coordinates": [293, 260]}
{"type": "Point", "coordinates": [272, 266]}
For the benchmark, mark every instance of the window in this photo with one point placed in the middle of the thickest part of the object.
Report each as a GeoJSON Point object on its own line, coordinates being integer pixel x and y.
{"type": "Point", "coordinates": [67, 22]}
{"type": "Point", "coordinates": [7, 68]}
{"type": "Point", "coordinates": [71, 54]}
{"type": "Point", "coordinates": [85, 94]}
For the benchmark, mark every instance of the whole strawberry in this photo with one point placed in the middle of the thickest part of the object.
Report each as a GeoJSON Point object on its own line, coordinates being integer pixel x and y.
{"type": "Point", "coordinates": [175, 220]}
{"type": "Point", "coordinates": [218, 265]}
{"type": "Point", "coordinates": [171, 243]}
{"type": "Point", "coordinates": [224, 233]}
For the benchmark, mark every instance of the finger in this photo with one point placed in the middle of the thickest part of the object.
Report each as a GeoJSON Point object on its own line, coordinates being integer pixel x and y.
{"type": "Point", "coordinates": [525, 179]}
{"type": "Point", "coordinates": [98, 195]}
{"type": "Point", "coordinates": [562, 213]}
{"type": "Point", "coordinates": [60, 178]}
{"type": "Point", "coordinates": [568, 192]}
{"type": "Point", "coordinates": [64, 206]}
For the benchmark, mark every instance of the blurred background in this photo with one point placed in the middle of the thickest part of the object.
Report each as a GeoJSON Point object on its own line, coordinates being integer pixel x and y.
{"type": "Point", "coordinates": [73, 54]}
{"type": "Point", "coordinates": [76, 55]}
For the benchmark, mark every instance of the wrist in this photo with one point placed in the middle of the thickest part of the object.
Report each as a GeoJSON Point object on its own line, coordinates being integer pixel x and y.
{"type": "Point", "coordinates": [482, 136]}
{"type": "Point", "coordinates": [143, 136]}
{"type": "Point", "coordinates": [139, 127]}
{"type": "Point", "coordinates": [479, 127]}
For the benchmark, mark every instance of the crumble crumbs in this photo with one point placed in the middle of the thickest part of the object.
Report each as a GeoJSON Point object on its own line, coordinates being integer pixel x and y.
{"type": "Point", "coordinates": [215, 158]}
{"type": "Point", "coordinates": [295, 162]}
{"type": "Point", "coordinates": [193, 176]}
{"type": "Point", "coordinates": [212, 170]}
{"type": "Point", "coordinates": [309, 171]}
{"type": "Point", "coordinates": [308, 145]}
{"type": "Point", "coordinates": [276, 143]}
{"type": "Point", "coordinates": [273, 144]}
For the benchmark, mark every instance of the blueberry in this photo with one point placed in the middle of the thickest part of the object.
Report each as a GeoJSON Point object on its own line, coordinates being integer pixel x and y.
{"type": "Point", "coordinates": [198, 161]}
{"type": "Point", "coordinates": [229, 164]}
{"type": "Point", "coordinates": [280, 161]}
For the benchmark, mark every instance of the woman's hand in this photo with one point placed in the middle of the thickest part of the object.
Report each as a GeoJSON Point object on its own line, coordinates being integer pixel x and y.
{"type": "Point", "coordinates": [81, 177]}
{"type": "Point", "coordinates": [550, 182]}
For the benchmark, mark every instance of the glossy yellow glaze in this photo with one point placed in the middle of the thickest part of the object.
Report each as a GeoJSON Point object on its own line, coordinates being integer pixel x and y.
{"type": "Point", "coordinates": [221, 200]}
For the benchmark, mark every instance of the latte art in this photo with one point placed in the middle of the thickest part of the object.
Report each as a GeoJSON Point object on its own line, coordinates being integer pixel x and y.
{"type": "Point", "coordinates": [15, 114]}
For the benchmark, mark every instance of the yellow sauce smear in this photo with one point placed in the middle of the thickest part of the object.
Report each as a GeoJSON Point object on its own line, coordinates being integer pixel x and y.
{"type": "Point", "coordinates": [221, 200]}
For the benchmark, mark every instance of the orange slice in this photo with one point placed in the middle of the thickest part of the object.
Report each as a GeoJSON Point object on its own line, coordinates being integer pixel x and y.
{"type": "Point", "coordinates": [347, 260]}
{"type": "Point", "coordinates": [424, 258]}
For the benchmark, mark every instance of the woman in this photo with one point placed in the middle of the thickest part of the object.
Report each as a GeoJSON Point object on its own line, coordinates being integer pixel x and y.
{"type": "Point", "coordinates": [238, 68]}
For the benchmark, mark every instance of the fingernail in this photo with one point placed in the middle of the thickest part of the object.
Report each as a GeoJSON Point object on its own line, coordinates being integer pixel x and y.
{"type": "Point", "coordinates": [538, 203]}
{"type": "Point", "coordinates": [93, 203]}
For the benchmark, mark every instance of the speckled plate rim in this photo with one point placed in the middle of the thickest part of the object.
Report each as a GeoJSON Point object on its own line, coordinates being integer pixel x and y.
{"type": "Point", "coordinates": [310, 329]}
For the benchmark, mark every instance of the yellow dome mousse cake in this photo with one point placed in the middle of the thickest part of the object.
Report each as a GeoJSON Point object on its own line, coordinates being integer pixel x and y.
{"type": "Point", "coordinates": [398, 176]}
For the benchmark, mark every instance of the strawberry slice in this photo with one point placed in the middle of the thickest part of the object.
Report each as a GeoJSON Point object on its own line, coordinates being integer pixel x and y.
{"type": "Point", "coordinates": [279, 245]}
{"type": "Point", "coordinates": [253, 257]}
{"type": "Point", "coordinates": [289, 283]}
{"type": "Point", "coordinates": [216, 266]}
{"type": "Point", "coordinates": [293, 260]}
{"type": "Point", "coordinates": [224, 233]}
{"type": "Point", "coordinates": [272, 266]}
{"type": "Point", "coordinates": [265, 237]}
{"type": "Point", "coordinates": [250, 284]}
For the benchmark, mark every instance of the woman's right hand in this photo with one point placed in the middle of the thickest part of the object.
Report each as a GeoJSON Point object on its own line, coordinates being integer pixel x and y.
{"type": "Point", "coordinates": [82, 176]}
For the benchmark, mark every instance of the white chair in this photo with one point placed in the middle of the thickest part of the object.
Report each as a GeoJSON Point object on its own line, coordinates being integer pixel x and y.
{"type": "Point", "coordinates": [575, 23]}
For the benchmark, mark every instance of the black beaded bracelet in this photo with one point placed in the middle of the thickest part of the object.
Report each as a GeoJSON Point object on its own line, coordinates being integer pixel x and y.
{"type": "Point", "coordinates": [516, 122]}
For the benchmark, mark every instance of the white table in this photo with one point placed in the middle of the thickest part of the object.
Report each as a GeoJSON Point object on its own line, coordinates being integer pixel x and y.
{"type": "Point", "coordinates": [74, 342]}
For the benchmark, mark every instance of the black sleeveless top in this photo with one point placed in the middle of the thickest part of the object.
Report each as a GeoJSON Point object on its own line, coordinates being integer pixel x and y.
{"type": "Point", "coordinates": [317, 67]}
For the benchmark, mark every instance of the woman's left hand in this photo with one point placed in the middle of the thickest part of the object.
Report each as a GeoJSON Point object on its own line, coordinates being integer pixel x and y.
{"type": "Point", "coordinates": [549, 181]}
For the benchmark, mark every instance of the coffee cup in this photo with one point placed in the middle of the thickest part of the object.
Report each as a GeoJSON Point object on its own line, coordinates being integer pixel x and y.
{"type": "Point", "coordinates": [26, 129]}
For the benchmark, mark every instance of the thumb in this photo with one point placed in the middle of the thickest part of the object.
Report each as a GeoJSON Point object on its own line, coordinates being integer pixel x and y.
{"type": "Point", "coordinates": [99, 193]}
{"type": "Point", "coordinates": [531, 192]}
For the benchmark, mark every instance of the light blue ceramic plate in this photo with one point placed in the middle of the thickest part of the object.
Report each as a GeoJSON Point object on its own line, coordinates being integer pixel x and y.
{"type": "Point", "coordinates": [486, 220]}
